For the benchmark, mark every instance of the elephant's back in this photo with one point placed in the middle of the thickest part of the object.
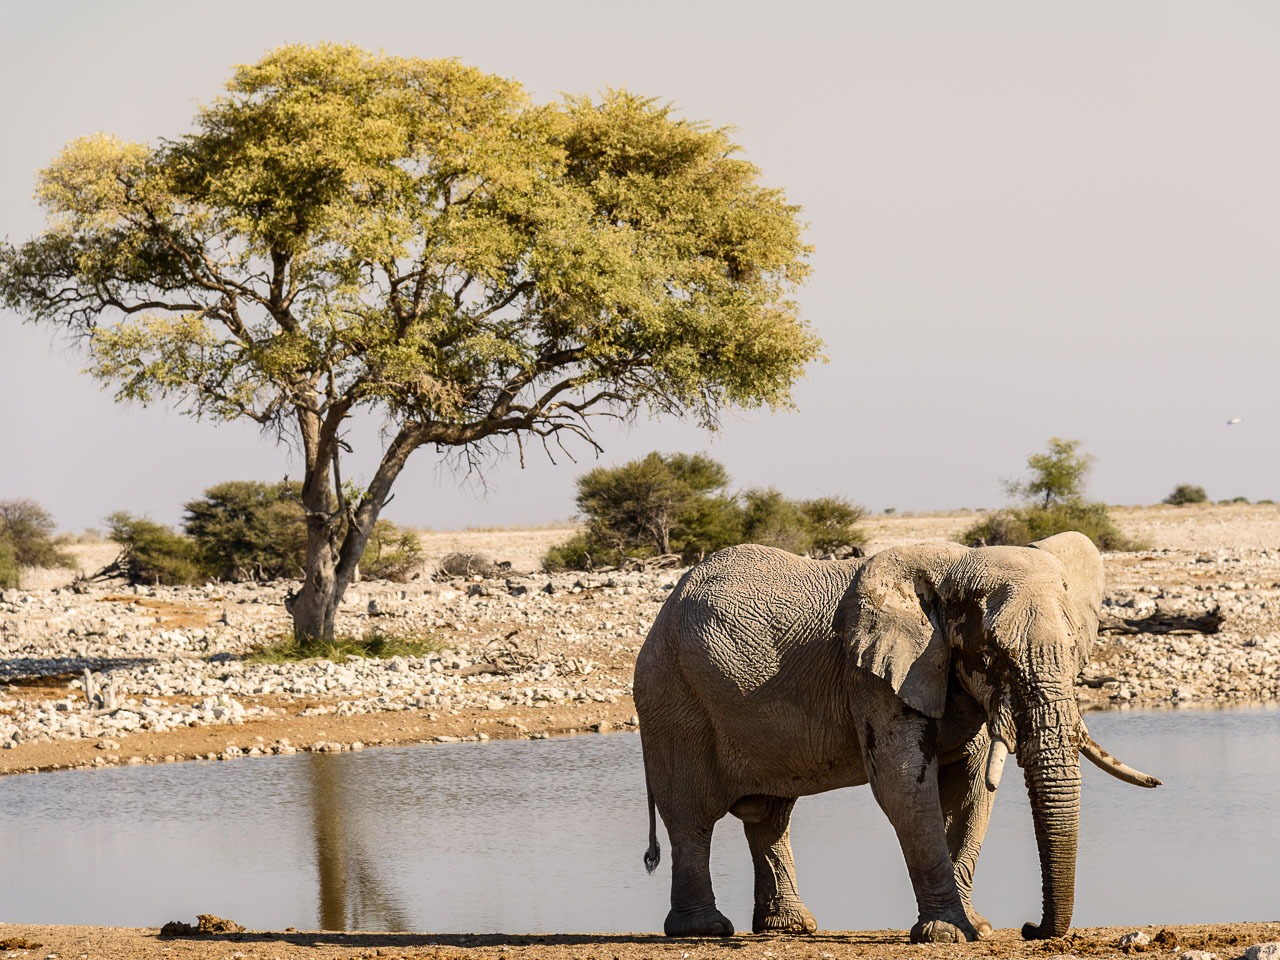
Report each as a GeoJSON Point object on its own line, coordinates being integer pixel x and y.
{"type": "Point", "coordinates": [741, 611]}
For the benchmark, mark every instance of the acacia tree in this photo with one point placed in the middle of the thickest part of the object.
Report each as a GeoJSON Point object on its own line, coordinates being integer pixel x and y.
{"type": "Point", "coordinates": [345, 230]}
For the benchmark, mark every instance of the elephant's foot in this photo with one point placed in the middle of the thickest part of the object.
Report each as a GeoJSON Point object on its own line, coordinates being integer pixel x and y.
{"type": "Point", "coordinates": [783, 916]}
{"type": "Point", "coordinates": [980, 923]}
{"type": "Point", "coordinates": [697, 923]}
{"type": "Point", "coordinates": [940, 931]}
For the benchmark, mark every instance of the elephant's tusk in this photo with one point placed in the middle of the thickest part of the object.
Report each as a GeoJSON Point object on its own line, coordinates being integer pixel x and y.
{"type": "Point", "coordinates": [995, 762]}
{"type": "Point", "coordinates": [1107, 762]}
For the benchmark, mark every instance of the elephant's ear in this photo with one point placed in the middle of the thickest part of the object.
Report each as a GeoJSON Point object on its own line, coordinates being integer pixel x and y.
{"type": "Point", "coordinates": [1086, 582]}
{"type": "Point", "coordinates": [889, 620]}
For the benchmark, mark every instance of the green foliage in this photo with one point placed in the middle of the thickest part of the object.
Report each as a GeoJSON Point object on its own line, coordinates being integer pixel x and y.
{"type": "Point", "coordinates": [1018, 526]}
{"type": "Point", "coordinates": [661, 503]}
{"type": "Point", "coordinates": [1057, 475]}
{"type": "Point", "coordinates": [28, 529]}
{"type": "Point", "coordinates": [1261, 502]}
{"type": "Point", "coordinates": [9, 569]}
{"type": "Point", "coordinates": [770, 519]}
{"type": "Point", "coordinates": [348, 231]}
{"type": "Point", "coordinates": [832, 523]}
{"type": "Point", "coordinates": [376, 646]}
{"type": "Point", "coordinates": [151, 552]}
{"type": "Point", "coordinates": [1053, 503]}
{"type": "Point", "coordinates": [247, 529]}
{"type": "Point", "coordinates": [580, 552]}
{"type": "Point", "coordinates": [677, 503]}
{"type": "Point", "coordinates": [1186, 493]}
{"type": "Point", "coordinates": [391, 553]}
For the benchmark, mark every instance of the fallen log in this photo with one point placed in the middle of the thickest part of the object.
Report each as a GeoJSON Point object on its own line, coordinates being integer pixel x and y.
{"type": "Point", "coordinates": [1163, 622]}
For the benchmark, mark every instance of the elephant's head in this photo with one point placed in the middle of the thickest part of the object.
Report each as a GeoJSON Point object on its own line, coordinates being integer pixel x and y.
{"type": "Point", "coordinates": [1013, 626]}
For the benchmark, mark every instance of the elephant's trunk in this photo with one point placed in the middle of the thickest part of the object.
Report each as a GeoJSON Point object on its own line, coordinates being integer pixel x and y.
{"type": "Point", "coordinates": [1049, 754]}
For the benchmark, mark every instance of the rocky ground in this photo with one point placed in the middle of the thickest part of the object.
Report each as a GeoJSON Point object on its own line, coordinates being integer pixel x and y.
{"type": "Point", "coordinates": [151, 674]}
{"type": "Point", "coordinates": [1251, 941]}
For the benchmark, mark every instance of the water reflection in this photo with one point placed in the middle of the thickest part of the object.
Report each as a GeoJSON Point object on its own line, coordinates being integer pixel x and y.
{"type": "Point", "coordinates": [352, 896]}
{"type": "Point", "coordinates": [546, 836]}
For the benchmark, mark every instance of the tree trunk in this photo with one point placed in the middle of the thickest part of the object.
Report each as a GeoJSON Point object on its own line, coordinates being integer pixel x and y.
{"type": "Point", "coordinates": [330, 565]}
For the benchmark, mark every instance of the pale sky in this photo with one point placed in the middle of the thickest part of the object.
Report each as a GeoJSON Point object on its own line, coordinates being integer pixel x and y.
{"type": "Point", "coordinates": [1030, 220]}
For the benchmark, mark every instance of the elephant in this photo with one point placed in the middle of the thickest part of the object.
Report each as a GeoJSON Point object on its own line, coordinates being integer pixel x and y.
{"type": "Point", "coordinates": [766, 677]}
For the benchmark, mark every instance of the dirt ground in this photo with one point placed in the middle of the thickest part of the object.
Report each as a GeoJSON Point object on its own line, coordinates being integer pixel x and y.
{"type": "Point", "coordinates": [1227, 941]}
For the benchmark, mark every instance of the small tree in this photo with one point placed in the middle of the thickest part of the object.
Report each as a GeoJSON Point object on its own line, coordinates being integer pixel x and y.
{"type": "Point", "coordinates": [346, 231]}
{"type": "Point", "coordinates": [1186, 493]}
{"type": "Point", "coordinates": [645, 502]}
{"type": "Point", "coordinates": [1057, 475]}
{"type": "Point", "coordinates": [29, 529]}
{"type": "Point", "coordinates": [1055, 503]}
{"type": "Point", "coordinates": [833, 523]}
{"type": "Point", "coordinates": [152, 552]}
{"type": "Point", "coordinates": [770, 519]}
{"type": "Point", "coordinates": [246, 529]}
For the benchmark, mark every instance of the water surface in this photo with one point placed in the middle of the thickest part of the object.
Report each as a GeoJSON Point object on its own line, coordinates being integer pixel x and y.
{"type": "Point", "coordinates": [547, 836]}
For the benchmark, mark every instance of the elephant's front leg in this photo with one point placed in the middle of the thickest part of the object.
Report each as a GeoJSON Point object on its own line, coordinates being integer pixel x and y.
{"type": "Point", "coordinates": [767, 821]}
{"type": "Point", "coordinates": [966, 808]}
{"type": "Point", "coordinates": [899, 747]}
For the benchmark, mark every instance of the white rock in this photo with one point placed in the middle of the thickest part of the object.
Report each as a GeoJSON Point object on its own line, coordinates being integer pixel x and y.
{"type": "Point", "coordinates": [1263, 951]}
{"type": "Point", "coordinates": [1136, 938]}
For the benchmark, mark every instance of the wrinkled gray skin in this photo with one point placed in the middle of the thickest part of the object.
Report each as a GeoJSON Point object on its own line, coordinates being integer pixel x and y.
{"type": "Point", "coordinates": [768, 677]}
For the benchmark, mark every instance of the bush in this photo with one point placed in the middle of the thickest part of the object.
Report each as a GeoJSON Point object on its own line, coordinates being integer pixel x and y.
{"type": "Point", "coordinates": [246, 529]}
{"type": "Point", "coordinates": [9, 569]}
{"type": "Point", "coordinates": [832, 523]}
{"type": "Point", "coordinates": [391, 553]}
{"type": "Point", "coordinates": [677, 504]}
{"type": "Point", "coordinates": [770, 519]}
{"type": "Point", "coordinates": [1018, 526]}
{"type": "Point", "coordinates": [1186, 493]}
{"type": "Point", "coordinates": [151, 552]}
{"type": "Point", "coordinates": [28, 529]}
{"type": "Point", "coordinates": [1053, 503]}
{"type": "Point", "coordinates": [580, 552]}
{"type": "Point", "coordinates": [1234, 500]}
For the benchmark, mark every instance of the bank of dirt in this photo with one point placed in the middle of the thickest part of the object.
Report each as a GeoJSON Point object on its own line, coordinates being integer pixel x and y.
{"type": "Point", "coordinates": [1227, 941]}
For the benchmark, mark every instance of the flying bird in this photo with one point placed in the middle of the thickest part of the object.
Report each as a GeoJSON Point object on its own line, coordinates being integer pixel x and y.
{"type": "Point", "coordinates": [1233, 420]}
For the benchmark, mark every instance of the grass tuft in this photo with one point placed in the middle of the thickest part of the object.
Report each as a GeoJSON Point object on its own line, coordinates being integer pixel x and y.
{"type": "Point", "coordinates": [376, 646]}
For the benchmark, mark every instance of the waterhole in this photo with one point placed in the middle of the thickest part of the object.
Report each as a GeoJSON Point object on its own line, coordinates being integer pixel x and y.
{"type": "Point", "coordinates": [547, 836]}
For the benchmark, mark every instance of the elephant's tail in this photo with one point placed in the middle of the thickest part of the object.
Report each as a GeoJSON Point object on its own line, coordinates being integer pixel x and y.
{"type": "Point", "coordinates": [654, 853]}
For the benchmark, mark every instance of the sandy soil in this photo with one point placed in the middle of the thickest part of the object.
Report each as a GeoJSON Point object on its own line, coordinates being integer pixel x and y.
{"type": "Point", "coordinates": [121, 943]}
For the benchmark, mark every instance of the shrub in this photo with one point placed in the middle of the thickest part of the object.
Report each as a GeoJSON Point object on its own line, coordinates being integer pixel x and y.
{"type": "Point", "coordinates": [580, 552]}
{"type": "Point", "coordinates": [1234, 500]}
{"type": "Point", "coordinates": [832, 523]}
{"type": "Point", "coordinates": [246, 529]}
{"type": "Point", "coordinates": [9, 569]}
{"type": "Point", "coordinates": [1186, 493]}
{"type": "Point", "coordinates": [151, 552]}
{"type": "Point", "coordinates": [29, 530]}
{"type": "Point", "coordinates": [770, 519]}
{"type": "Point", "coordinates": [1053, 503]}
{"type": "Point", "coordinates": [1018, 526]}
{"type": "Point", "coordinates": [467, 565]}
{"type": "Point", "coordinates": [391, 553]}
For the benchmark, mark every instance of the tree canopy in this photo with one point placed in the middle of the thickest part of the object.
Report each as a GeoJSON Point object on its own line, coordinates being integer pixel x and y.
{"type": "Point", "coordinates": [345, 230]}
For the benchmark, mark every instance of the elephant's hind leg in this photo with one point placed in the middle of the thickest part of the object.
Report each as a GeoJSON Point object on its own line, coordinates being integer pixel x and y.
{"type": "Point", "coordinates": [767, 822]}
{"type": "Point", "coordinates": [693, 902]}
{"type": "Point", "coordinates": [966, 807]}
